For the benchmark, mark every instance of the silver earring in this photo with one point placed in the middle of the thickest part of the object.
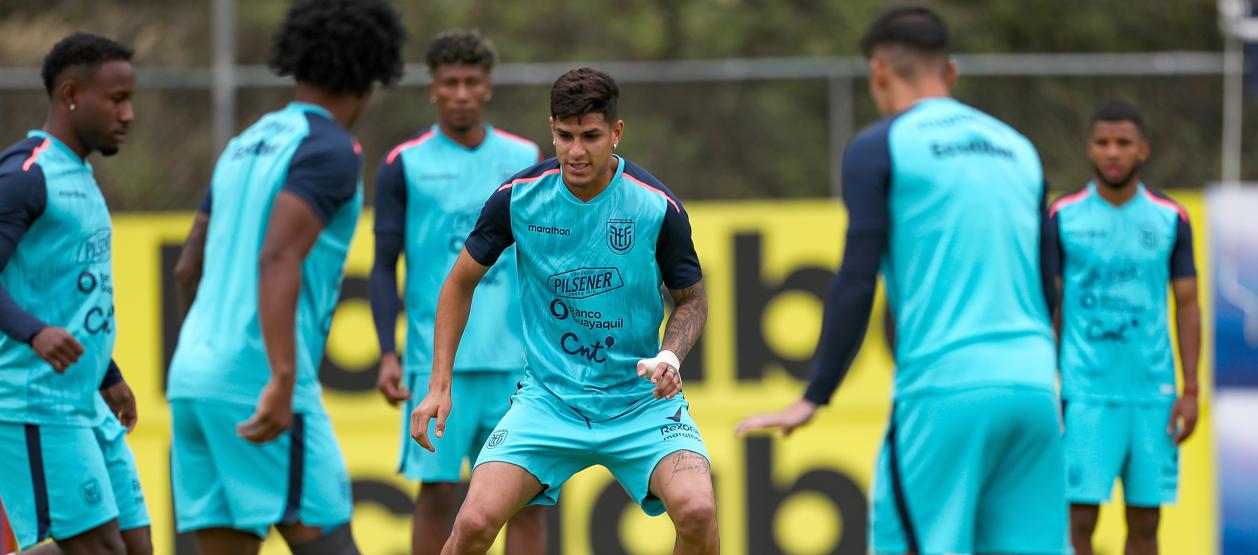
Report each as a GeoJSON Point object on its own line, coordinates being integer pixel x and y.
{"type": "Point", "coordinates": [72, 106]}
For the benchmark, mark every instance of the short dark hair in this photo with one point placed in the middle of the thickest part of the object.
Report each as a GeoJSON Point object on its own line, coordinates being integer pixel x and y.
{"type": "Point", "coordinates": [342, 46]}
{"type": "Point", "coordinates": [80, 49]}
{"type": "Point", "coordinates": [1115, 111]}
{"type": "Point", "coordinates": [459, 46]}
{"type": "Point", "coordinates": [584, 91]}
{"type": "Point", "coordinates": [916, 27]}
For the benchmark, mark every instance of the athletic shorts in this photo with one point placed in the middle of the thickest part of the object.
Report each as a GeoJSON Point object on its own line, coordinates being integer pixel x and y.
{"type": "Point", "coordinates": [552, 442]}
{"type": "Point", "coordinates": [123, 478]}
{"type": "Point", "coordinates": [1105, 441]}
{"type": "Point", "coordinates": [221, 480]}
{"type": "Point", "coordinates": [54, 481]}
{"type": "Point", "coordinates": [480, 398]}
{"type": "Point", "coordinates": [973, 471]}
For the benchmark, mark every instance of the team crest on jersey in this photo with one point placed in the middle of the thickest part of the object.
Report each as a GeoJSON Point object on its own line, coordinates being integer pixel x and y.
{"type": "Point", "coordinates": [620, 234]}
{"type": "Point", "coordinates": [1149, 236]}
{"type": "Point", "coordinates": [496, 439]}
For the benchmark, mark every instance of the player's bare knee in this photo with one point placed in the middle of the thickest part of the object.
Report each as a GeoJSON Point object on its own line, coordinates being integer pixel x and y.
{"type": "Point", "coordinates": [694, 517]}
{"type": "Point", "coordinates": [1143, 523]}
{"type": "Point", "coordinates": [476, 526]}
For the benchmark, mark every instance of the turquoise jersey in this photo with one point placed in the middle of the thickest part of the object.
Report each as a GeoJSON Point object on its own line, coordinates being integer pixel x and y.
{"type": "Point", "coordinates": [436, 188]}
{"type": "Point", "coordinates": [60, 273]}
{"type": "Point", "coordinates": [221, 354]}
{"type": "Point", "coordinates": [1117, 262]}
{"type": "Point", "coordinates": [962, 271]}
{"type": "Point", "coordinates": [590, 276]}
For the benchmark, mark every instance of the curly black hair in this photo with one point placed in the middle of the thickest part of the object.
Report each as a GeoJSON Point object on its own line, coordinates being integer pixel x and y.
{"type": "Point", "coordinates": [584, 91]}
{"type": "Point", "coordinates": [80, 49]}
{"type": "Point", "coordinates": [458, 46]}
{"type": "Point", "coordinates": [342, 46]}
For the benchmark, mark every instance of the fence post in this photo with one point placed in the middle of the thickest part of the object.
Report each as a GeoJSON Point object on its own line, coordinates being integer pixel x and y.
{"type": "Point", "coordinates": [224, 72]}
{"type": "Point", "coordinates": [840, 113]}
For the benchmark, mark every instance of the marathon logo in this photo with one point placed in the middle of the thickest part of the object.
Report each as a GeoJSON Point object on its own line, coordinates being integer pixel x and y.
{"type": "Point", "coordinates": [586, 282]}
{"type": "Point", "coordinates": [550, 230]}
{"type": "Point", "coordinates": [976, 147]}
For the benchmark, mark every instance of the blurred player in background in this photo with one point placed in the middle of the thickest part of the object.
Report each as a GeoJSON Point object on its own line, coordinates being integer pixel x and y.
{"type": "Point", "coordinates": [1120, 243]}
{"type": "Point", "coordinates": [595, 236]}
{"type": "Point", "coordinates": [253, 446]}
{"type": "Point", "coordinates": [429, 191]}
{"type": "Point", "coordinates": [60, 389]}
{"type": "Point", "coordinates": [950, 202]}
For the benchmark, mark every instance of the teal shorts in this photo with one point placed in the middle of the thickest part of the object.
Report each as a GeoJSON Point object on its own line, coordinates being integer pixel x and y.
{"type": "Point", "coordinates": [552, 442]}
{"type": "Point", "coordinates": [53, 481]}
{"type": "Point", "coordinates": [480, 398]}
{"type": "Point", "coordinates": [973, 471]}
{"type": "Point", "coordinates": [220, 480]}
{"type": "Point", "coordinates": [123, 478]}
{"type": "Point", "coordinates": [1105, 441]}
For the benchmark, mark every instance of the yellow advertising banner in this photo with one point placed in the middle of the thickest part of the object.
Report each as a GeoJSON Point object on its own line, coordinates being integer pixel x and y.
{"type": "Point", "coordinates": [767, 267]}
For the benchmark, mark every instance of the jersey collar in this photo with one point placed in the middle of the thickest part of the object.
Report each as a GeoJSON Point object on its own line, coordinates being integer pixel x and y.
{"type": "Point", "coordinates": [67, 151]}
{"type": "Point", "coordinates": [310, 109]}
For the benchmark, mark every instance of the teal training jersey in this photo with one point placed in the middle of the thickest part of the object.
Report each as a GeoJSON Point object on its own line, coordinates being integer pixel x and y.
{"type": "Point", "coordinates": [1117, 262]}
{"type": "Point", "coordinates": [590, 276]}
{"type": "Point", "coordinates": [430, 190]}
{"type": "Point", "coordinates": [963, 213]}
{"type": "Point", "coordinates": [221, 354]}
{"type": "Point", "coordinates": [60, 273]}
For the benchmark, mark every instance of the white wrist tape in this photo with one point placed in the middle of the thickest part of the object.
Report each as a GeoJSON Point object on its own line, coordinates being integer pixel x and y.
{"type": "Point", "coordinates": [665, 356]}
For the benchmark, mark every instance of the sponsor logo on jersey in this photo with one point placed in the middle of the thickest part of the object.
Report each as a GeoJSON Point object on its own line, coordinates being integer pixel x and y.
{"type": "Point", "coordinates": [573, 346]}
{"type": "Point", "coordinates": [550, 230]}
{"type": "Point", "coordinates": [95, 248]}
{"type": "Point", "coordinates": [584, 283]}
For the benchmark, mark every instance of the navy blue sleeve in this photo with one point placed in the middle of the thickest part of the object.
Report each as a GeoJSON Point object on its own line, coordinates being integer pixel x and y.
{"type": "Point", "coordinates": [23, 198]}
{"type": "Point", "coordinates": [675, 248]}
{"type": "Point", "coordinates": [1050, 253]}
{"type": "Point", "coordinates": [866, 184]}
{"type": "Point", "coordinates": [492, 234]}
{"type": "Point", "coordinates": [1182, 264]}
{"type": "Point", "coordinates": [113, 375]}
{"type": "Point", "coordinates": [207, 203]}
{"type": "Point", "coordinates": [324, 170]}
{"type": "Point", "coordinates": [390, 233]}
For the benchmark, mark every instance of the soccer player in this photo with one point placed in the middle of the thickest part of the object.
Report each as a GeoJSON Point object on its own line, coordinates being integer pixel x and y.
{"type": "Point", "coordinates": [950, 202]}
{"type": "Point", "coordinates": [56, 304]}
{"type": "Point", "coordinates": [253, 446]}
{"type": "Point", "coordinates": [596, 236]}
{"type": "Point", "coordinates": [429, 191]}
{"type": "Point", "coordinates": [1120, 244]}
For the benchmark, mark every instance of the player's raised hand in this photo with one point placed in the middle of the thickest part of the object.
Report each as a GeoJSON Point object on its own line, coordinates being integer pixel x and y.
{"type": "Point", "coordinates": [273, 415]}
{"type": "Point", "coordinates": [389, 381]}
{"type": "Point", "coordinates": [793, 416]}
{"type": "Point", "coordinates": [121, 402]}
{"type": "Point", "coordinates": [436, 405]}
{"type": "Point", "coordinates": [1183, 418]}
{"type": "Point", "coordinates": [57, 347]}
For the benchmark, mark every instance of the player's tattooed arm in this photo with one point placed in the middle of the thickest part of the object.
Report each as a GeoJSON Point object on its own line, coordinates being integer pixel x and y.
{"type": "Point", "coordinates": [188, 268]}
{"type": "Point", "coordinates": [690, 313]}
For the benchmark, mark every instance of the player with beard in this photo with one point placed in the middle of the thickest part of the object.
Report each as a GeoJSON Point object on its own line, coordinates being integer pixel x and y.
{"type": "Point", "coordinates": [429, 191]}
{"type": "Point", "coordinates": [1120, 243]}
{"type": "Point", "coordinates": [60, 440]}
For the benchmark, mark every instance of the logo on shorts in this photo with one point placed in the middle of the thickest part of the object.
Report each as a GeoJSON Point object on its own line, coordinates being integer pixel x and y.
{"type": "Point", "coordinates": [675, 417]}
{"type": "Point", "coordinates": [496, 439]}
{"type": "Point", "coordinates": [679, 431]}
{"type": "Point", "coordinates": [90, 490]}
{"type": "Point", "coordinates": [620, 236]}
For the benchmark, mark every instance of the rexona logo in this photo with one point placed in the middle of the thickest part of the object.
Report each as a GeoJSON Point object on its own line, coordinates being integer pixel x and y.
{"type": "Point", "coordinates": [586, 282]}
{"type": "Point", "coordinates": [95, 248]}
